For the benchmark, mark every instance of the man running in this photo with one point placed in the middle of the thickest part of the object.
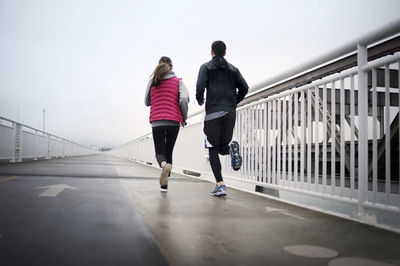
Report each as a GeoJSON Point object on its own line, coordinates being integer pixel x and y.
{"type": "Point", "coordinates": [225, 89]}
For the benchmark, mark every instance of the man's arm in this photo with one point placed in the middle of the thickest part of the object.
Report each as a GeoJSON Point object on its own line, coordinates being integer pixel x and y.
{"type": "Point", "coordinates": [201, 84]}
{"type": "Point", "coordinates": [242, 86]}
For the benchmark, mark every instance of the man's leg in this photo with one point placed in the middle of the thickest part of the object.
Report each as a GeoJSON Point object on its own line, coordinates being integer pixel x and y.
{"type": "Point", "coordinates": [228, 124]}
{"type": "Point", "coordinates": [213, 131]}
{"type": "Point", "coordinates": [215, 164]}
{"type": "Point", "coordinates": [220, 189]}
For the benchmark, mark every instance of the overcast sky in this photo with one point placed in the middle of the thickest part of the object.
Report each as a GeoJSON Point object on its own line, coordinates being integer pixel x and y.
{"type": "Point", "coordinates": [88, 62]}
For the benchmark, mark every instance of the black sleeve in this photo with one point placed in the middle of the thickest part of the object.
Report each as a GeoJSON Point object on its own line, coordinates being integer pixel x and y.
{"type": "Point", "coordinates": [242, 86]}
{"type": "Point", "coordinates": [201, 84]}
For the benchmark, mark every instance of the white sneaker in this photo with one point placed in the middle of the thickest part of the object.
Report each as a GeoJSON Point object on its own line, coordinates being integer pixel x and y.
{"type": "Point", "coordinates": [164, 174]}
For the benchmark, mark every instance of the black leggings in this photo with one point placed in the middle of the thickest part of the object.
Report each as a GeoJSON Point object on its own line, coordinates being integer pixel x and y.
{"type": "Point", "coordinates": [215, 163]}
{"type": "Point", "coordinates": [164, 141]}
{"type": "Point", "coordinates": [219, 133]}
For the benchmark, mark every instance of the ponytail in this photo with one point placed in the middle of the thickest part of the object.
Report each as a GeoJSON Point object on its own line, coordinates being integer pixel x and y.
{"type": "Point", "coordinates": [159, 73]}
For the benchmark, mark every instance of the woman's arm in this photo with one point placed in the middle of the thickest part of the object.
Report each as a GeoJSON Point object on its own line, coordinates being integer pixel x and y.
{"type": "Point", "coordinates": [183, 100]}
{"type": "Point", "coordinates": [147, 98]}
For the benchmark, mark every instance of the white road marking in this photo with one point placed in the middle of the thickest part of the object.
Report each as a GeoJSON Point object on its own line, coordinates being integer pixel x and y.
{"type": "Point", "coordinates": [284, 212]}
{"type": "Point", "coordinates": [311, 251]}
{"type": "Point", "coordinates": [54, 190]}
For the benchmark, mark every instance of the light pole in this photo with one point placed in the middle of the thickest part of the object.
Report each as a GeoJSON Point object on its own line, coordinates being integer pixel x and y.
{"type": "Point", "coordinates": [44, 119]}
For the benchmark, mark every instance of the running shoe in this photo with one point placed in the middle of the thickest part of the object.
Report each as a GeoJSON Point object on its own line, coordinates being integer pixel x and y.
{"type": "Point", "coordinates": [219, 191]}
{"type": "Point", "coordinates": [164, 188]}
{"type": "Point", "coordinates": [236, 158]}
{"type": "Point", "coordinates": [164, 174]}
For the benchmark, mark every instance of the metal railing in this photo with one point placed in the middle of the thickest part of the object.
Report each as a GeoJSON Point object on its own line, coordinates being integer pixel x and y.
{"type": "Point", "coordinates": [19, 142]}
{"type": "Point", "coordinates": [301, 140]}
{"type": "Point", "coordinates": [320, 139]}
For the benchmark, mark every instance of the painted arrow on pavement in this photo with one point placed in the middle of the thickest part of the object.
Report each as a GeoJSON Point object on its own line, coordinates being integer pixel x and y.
{"type": "Point", "coordinates": [54, 190]}
{"type": "Point", "coordinates": [284, 212]}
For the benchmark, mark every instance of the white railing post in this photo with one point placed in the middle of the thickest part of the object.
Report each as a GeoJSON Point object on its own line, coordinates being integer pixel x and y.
{"type": "Point", "coordinates": [35, 152]}
{"type": "Point", "coordinates": [17, 142]}
{"type": "Point", "coordinates": [362, 59]}
{"type": "Point", "coordinates": [13, 160]}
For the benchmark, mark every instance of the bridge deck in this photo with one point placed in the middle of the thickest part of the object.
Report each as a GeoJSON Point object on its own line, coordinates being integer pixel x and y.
{"type": "Point", "coordinates": [112, 213]}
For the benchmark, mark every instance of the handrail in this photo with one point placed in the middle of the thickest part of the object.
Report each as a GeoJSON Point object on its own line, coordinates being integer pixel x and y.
{"type": "Point", "coordinates": [346, 73]}
{"type": "Point", "coordinates": [381, 61]}
{"type": "Point", "coordinates": [41, 131]}
{"type": "Point", "coordinates": [196, 113]}
{"type": "Point", "coordinates": [388, 30]}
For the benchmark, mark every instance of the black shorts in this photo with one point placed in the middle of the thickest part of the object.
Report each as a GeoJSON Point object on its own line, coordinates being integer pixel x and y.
{"type": "Point", "coordinates": [219, 131]}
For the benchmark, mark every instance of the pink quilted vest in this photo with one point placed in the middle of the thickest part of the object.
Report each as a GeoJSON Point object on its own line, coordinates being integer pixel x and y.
{"type": "Point", "coordinates": [165, 101]}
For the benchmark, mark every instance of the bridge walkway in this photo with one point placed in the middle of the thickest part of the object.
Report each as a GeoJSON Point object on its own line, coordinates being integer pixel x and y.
{"type": "Point", "coordinates": [99, 210]}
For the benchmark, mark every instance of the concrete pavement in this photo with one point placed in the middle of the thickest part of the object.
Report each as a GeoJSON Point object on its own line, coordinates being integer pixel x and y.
{"type": "Point", "coordinates": [114, 214]}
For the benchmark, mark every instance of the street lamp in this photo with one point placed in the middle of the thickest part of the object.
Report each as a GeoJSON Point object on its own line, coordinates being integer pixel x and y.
{"type": "Point", "coordinates": [44, 119]}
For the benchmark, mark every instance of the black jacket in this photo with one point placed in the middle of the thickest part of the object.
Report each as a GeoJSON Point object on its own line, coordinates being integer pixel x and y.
{"type": "Point", "coordinates": [225, 85]}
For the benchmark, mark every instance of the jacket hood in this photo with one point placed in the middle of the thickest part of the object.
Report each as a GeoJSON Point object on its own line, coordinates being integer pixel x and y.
{"type": "Point", "coordinates": [220, 62]}
{"type": "Point", "coordinates": [170, 74]}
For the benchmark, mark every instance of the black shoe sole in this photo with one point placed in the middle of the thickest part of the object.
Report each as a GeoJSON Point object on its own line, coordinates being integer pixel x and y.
{"type": "Point", "coordinates": [235, 152]}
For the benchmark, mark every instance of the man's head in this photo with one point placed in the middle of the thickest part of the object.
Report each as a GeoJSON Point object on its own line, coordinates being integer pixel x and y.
{"type": "Point", "coordinates": [218, 48]}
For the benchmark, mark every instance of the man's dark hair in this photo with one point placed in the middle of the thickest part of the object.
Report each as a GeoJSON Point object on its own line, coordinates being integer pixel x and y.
{"type": "Point", "coordinates": [219, 48]}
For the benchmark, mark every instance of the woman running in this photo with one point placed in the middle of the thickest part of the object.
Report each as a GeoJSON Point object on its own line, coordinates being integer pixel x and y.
{"type": "Point", "coordinates": [168, 99]}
